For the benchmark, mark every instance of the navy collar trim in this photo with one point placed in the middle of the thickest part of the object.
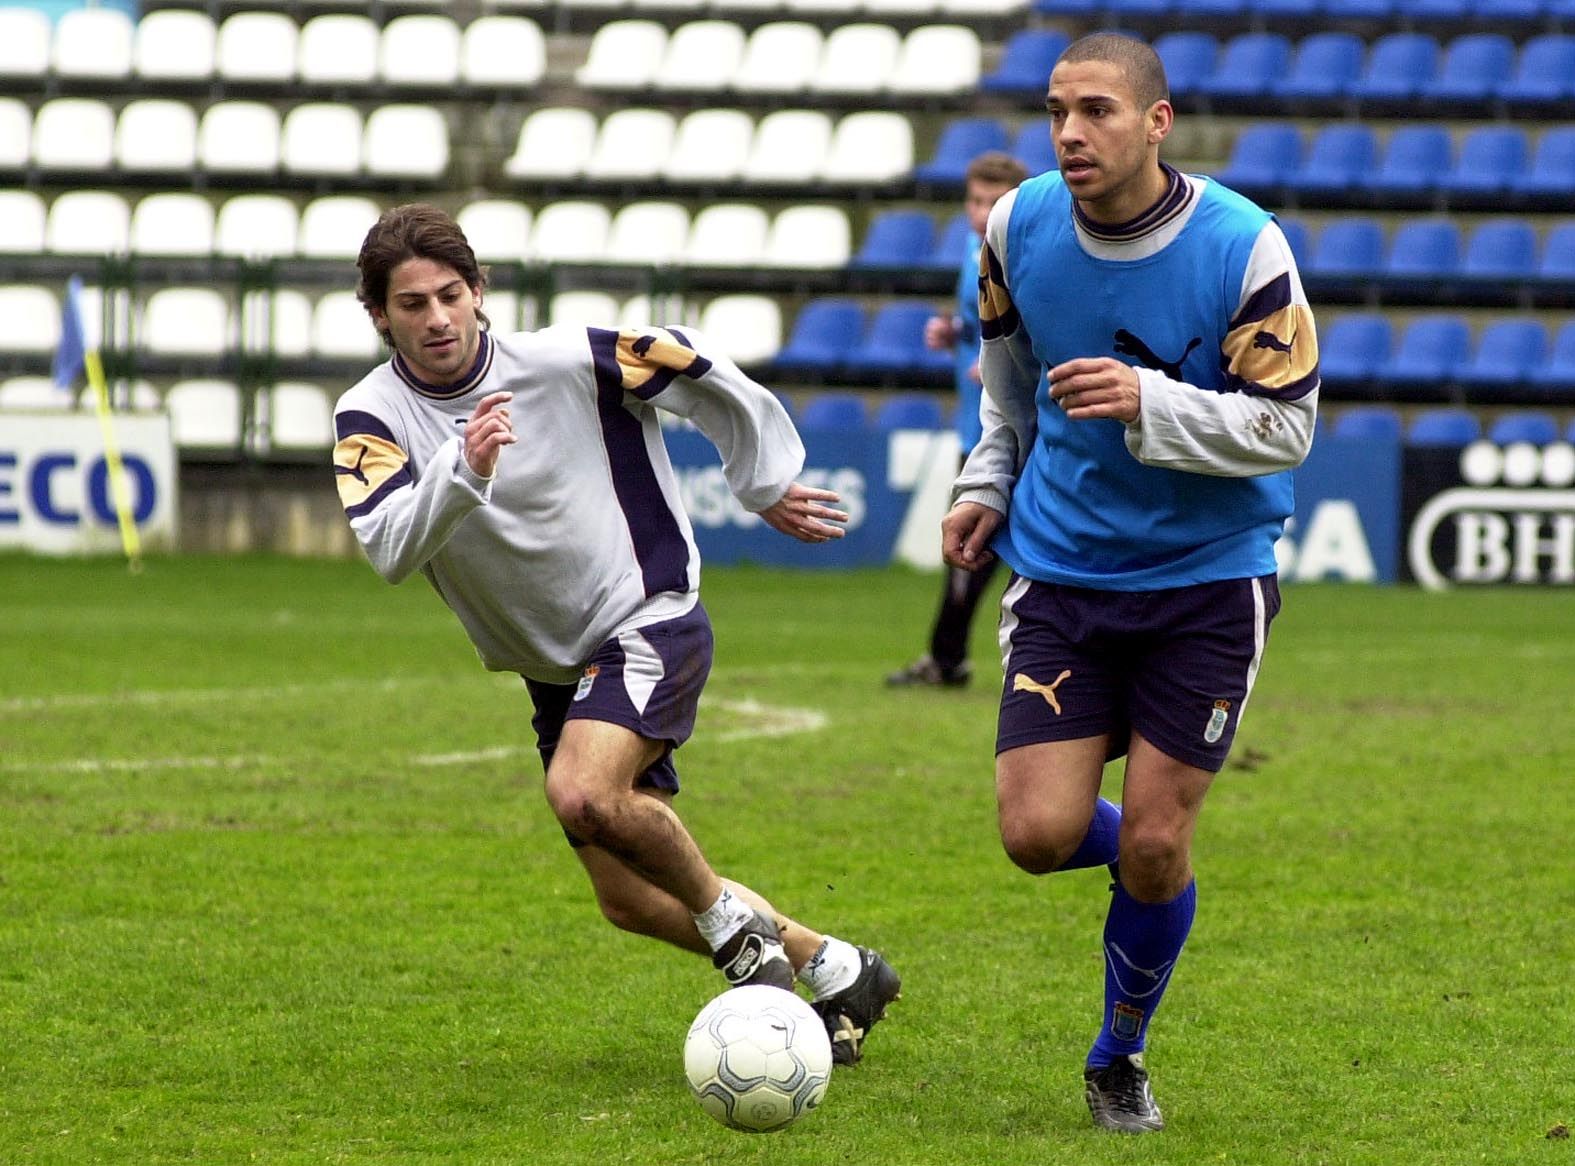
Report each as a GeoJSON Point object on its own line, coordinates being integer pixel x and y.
{"type": "Point", "coordinates": [478, 372]}
{"type": "Point", "coordinates": [1178, 195]}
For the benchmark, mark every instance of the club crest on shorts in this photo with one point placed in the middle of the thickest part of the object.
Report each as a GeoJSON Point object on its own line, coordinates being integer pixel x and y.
{"type": "Point", "coordinates": [583, 689]}
{"type": "Point", "coordinates": [1215, 729]}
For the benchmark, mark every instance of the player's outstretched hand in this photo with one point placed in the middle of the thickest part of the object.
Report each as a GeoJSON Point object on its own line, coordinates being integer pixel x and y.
{"type": "Point", "coordinates": [489, 429]}
{"type": "Point", "coordinates": [806, 514]}
{"type": "Point", "coordinates": [965, 535]}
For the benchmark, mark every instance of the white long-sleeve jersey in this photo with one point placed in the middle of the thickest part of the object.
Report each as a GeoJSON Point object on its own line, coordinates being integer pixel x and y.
{"type": "Point", "coordinates": [580, 533]}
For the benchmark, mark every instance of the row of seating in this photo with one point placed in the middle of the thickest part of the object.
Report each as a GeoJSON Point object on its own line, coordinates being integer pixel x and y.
{"type": "Point", "coordinates": [1451, 426]}
{"type": "Point", "coordinates": [1474, 74]}
{"type": "Point", "coordinates": [1347, 164]}
{"type": "Point", "coordinates": [1495, 13]}
{"type": "Point", "coordinates": [1367, 354]}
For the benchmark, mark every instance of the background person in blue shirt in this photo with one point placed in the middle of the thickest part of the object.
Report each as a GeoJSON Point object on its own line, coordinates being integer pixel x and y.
{"type": "Point", "coordinates": [987, 178]}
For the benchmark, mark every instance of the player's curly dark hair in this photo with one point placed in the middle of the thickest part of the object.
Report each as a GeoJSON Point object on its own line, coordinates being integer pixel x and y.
{"type": "Point", "coordinates": [416, 230]}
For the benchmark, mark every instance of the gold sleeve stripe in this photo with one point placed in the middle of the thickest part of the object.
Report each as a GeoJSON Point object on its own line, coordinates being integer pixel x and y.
{"type": "Point", "coordinates": [997, 313]}
{"type": "Point", "coordinates": [649, 359]}
{"type": "Point", "coordinates": [367, 469]}
{"type": "Point", "coordinates": [1276, 354]}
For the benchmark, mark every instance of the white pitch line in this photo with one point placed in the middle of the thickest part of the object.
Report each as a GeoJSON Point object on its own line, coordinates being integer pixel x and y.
{"type": "Point", "coordinates": [131, 764]}
{"type": "Point", "coordinates": [155, 697]}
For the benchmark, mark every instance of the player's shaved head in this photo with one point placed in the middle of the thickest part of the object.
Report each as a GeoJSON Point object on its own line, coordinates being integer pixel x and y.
{"type": "Point", "coordinates": [1139, 63]}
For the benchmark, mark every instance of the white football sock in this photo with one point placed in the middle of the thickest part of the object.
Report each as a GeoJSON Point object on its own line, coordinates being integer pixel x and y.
{"type": "Point", "coordinates": [721, 919]}
{"type": "Point", "coordinates": [833, 967]}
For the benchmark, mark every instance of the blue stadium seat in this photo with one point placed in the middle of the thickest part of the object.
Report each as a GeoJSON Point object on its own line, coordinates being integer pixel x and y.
{"type": "Point", "coordinates": [1263, 157]}
{"type": "Point", "coordinates": [1033, 148]}
{"type": "Point", "coordinates": [1188, 58]}
{"type": "Point", "coordinates": [1248, 66]}
{"type": "Point", "coordinates": [896, 239]}
{"type": "Point", "coordinates": [1446, 426]}
{"type": "Point", "coordinates": [1490, 156]}
{"type": "Point", "coordinates": [1370, 10]}
{"type": "Point", "coordinates": [1325, 66]}
{"type": "Point", "coordinates": [1414, 162]}
{"type": "Point", "coordinates": [962, 140]}
{"type": "Point", "coordinates": [833, 411]}
{"type": "Point", "coordinates": [894, 341]}
{"type": "Point", "coordinates": [1515, 11]}
{"type": "Point", "coordinates": [910, 411]}
{"type": "Point", "coordinates": [823, 333]}
{"type": "Point", "coordinates": [1215, 9]}
{"type": "Point", "coordinates": [1338, 158]}
{"type": "Point", "coordinates": [1025, 63]}
{"type": "Point", "coordinates": [1474, 67]}
{"type": "Point", "coordinates": [1369, 421]}
{"type": "Point", "coordinates": [951, 244]}
{"type": "Point", "coordinates": [1544, 72]}
{"type": "Point", "coordinates": [1524, 425]}
{"type": "Point", "coordinates": [1354, 347]}
{"type": "Point", "coordinates": [1434, 11]}
{"type": "Point", "coordinates": [1552, 170]}
{"type": "Point", "coordinates": [1350, 246]}
{"type": "Point", "coordinates": [1505, 354]}
{"type": "Point", "coordinates": [1429, 351]}
{"type": "Point", "coordinates": [1068, 7]}
{"type": "Point", "coordinates": [1501, 249]}
{"type": "Point", "coordinates": [1299, 237]}
{"type": "Point", "coordinates": [1398, 65]}
{"type": "Point", "coordinates": [1559, 371]}
{"type": "Point", "coordinates": [1556, 264]}
{"type": "Point", "coordinates": [1119, 10]}
{"type": "Point", "coordinates": [1272, 10]}
{"type": "Point", "coordinates": [1425, 249]}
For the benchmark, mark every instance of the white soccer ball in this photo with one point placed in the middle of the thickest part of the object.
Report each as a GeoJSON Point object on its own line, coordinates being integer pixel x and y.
{"type": "Point", "coordinates": [757, 1058]}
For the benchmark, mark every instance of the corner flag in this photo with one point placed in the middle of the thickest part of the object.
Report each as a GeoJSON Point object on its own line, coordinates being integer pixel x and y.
{"type": "Point", "coordinates": [73, 357]}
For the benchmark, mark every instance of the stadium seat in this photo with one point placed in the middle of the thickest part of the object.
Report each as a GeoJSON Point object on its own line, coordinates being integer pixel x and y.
{"type": "Point", "coordinates": [300, 418]}
{"type": "Point", "coordinates": [239, 137]}
{"type": "Point", "coordinates": [1398, 65]}
{"type": "Point", "coordinates": [895, 239]}
{"type": "Point", "coordinates": [937, 60]}
{"type": "Point", "coordinates": [88, 222]}
{"type": "Point", "coordinates": [257, 47]}
{"type": "Point", "coordinates": [1505, 354]}
{"type": "Point", "coordinates": [1325, 66]}
{"type": "Point", "coordinates": [1559, 370]}
{"type": "Point", "coordinates": [808, 237]}
{"type": "Point", "coordinates": [92, 44]}
{"type": "Point", "coordinates": [727, 234]}
{"type": "Point", "coordinates": [1369, 422]}
{"type": "Point", "coordinates": [498, 228]}
{"type": "Point", "coordinates": [74, 133]}
{"type": "Point", "coordinates": [823, 333]}
{"type": "Point", "coordinates": [554, 142]}
{"type": "Point", "coordinates": [174, 222]}
{"type": "Point", "coordinates": [1370, 10]}
{"type": "Point", "coordinates": [910, 411]}
{"type": "Point", "coordinates": [321, 138]}
{"type": "Point", "coordinates": [1033, 147]}
{"type": "Point", "coordinates": [419, 50]}
{"type": "Point", "coordinates": [287, 330]}
{"type": "Point", "coordinates": [1423, 249]}
{"type": "Point", "coordinates": [844, 411]}
{"type": "Point", "coordinates": [1524, 425]}
{"type": "Point", "coordinates": [1414, 161]}
{"type": "Point", "coordinates": [1248, 67]}
{"type": "Point", "coordinates": [1337, 159]}
{"type": "Point", "coordinates": [951, 244]}
{"type": "Point", "coordinates": [502, 52]}
{"type": "Point", "coordinates": [747, 328]}
{"type": "Point", "coordinates": [623, 55]}
{"type": "Point", "coordinates": [257, 226]}
{"type": "Point", "coordinates": [1443, 426]}
{"type": "Point", "coordinates": [789, 148]}
{"type": "Point", "coordinates": [1353, 347]}
{"type": "Point", "coordinates": [25, 35]}
{"type": "Point", "coordinates": [341, 329]}
{"type": "Point", "coordinates": [1544, 74]}
{"type": "Point", "coordinates": [1428, 352]}
{"type": "Point", "coordinates": [700, 56]}
{"type": "Point", "coordinates": [710, 146]}
{"type": "Point", "coordinates": [405, 141]}
{"type": "Point", "coordinates": [205, 416]}
{"type": "Point", "coordinates": [1262, 158]}
{"type": "Point", "coordinates": [29, 319]}
{"type": "Point", "coordinates": [651, 231]}
{"type": "Point", "coordinates": [1500, 249]}
{"type": "Point", "coordinates": [1489, 158]}
{"type": "Point", "coordinates": [894, 341]}
{"type": "Point", "coordinates": [156, 135]}
{"type": "Point", "coordinates": [857, 58]}
{"type": "Point", "coordinates": [961, 141]}
{"type": "Point", "coordinates": [22, 215]}
{"type": "Point", "coordinates": [1298, 237]}
{"type": "Point", "coordinates": [334, 226]}
{"type": "Point", "coordinates": [337, 49]}
{"type": "Point", "coordinates": [187, 321]}
{"type": "Point", "coordinates": [33, 394]}
{"type": "Point", "coordinates": [16, 133]}
{"type": "Point", "coordinates": [1551, 175]}
{"type": "Point", "coordinates": [1188, 56]}
{"type": "Point", "coordinates": [1556, 264]}
{"type": "Point", "coordinates": [1474, 67]}
{"type": "Point", "coordinates": [1027, 57]}
{"type": "Point", "coordinates": [869, 147]}
{"type": "Point", "coordinates": [174, 44]}
{"type": "Point", "coordinates": [571, 231]}
{"type": "Point", "coordinates": [584, 309]}
{"type": "Point", "coordinates": [780, 57]}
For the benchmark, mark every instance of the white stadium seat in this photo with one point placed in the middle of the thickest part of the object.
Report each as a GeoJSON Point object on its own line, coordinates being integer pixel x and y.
{"type": "Point", "coordinates": [156, 134]}
{"type": "Point", "coordinates": [285, 327]}
{"type": "Point", "coordinates": [257, 226]}
{"type": "Point", "coordinates": [238, 137]}
{"type": "Point", "coordinates": [781, 57]}
{"type": "Point", "coordinates": [702, 55]}
{"type": "Point", "coordinates": [34, 394]}
{"type": "Point", "coordinates": [727, 234]}
{"type": "Point", "coordinates": [652, 232]}
{"type": "Point", "coordinates": [586, 309]}
{"type": "Point", "coordinates": [790, 147]}
{"type": "Point", "coordinates": [872, 146]}
{"type": "Point", "coordinates": [624, 54]}
{"type": "Point", "coordinates": [747, 328]}
{"type": "Point", "coordinates": [631, 144]}
{"type": "Point", "coordinates": [187, 321]}
{"type": "Point", "coordinates": [421, 49]}
{"type": "Point", "coordinates": [257, 47]}
{"type": "Point", "coordinates": [341, 328]}
{"type": "Point", "coordinates": [175, 44]}
{"type": "Point", "coordinates": [300, 417]}
{"type": "Point", "coordinates": [335, 225]}
{"type": "Point", "coordinates": [809, 236]}
{"type": "Point", "coordinates": [572, 231]}
{"type": "Point", "coordinates": [937, 59]}
{"type": "Point", "coordinates": [406, 141]}
{"type": "Point", "coordinates": [498, 229]}
{"type": "Point", "coordinates": [92, 43]}
{"type": "Point", "coordinates": [337, 48]}
{"type": "Point", "coordinates": [25, 36]}
{"type": "Point", "coordinates": [74, 133]}
{"type": "Point", "coordinates": [503, 52]}
{"type": "Point", "coordinates": [711, 145]}
{"type": "Point", "coordinates": [88, 222]}
{"type": "Point", "coordinates": [857, 59]}
{"type": "Point", "coordinates": [22, 214]}
{"type": "Point", "coordinates": [555, 142]}
{"type": "Point", "coordinates": [16, 133]}
{"type": "Point", "coordinates": [321, 137]}
{"type": "Point", "coordinates": [204, 414]}
{"type": "Point", "coordinates": [29, 318]}
{"type": "Point", "coordinates": [176, 222]}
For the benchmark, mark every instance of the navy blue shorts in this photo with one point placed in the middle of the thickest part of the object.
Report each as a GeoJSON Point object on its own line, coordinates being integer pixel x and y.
{"type": "Point", "coordinates": [1177, 665]}
{"type": "Point", "coordinates": [647, 680]}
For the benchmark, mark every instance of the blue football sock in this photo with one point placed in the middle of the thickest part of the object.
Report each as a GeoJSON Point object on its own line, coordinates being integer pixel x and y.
{"type": "Point", "coordinates": [1142, 943]}
{"type": "Point", "coordinates": [1098, 847]}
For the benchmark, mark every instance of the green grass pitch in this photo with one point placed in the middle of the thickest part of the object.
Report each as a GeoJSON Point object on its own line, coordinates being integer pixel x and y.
{"type": "Point", "coordinates": [277, 884]}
